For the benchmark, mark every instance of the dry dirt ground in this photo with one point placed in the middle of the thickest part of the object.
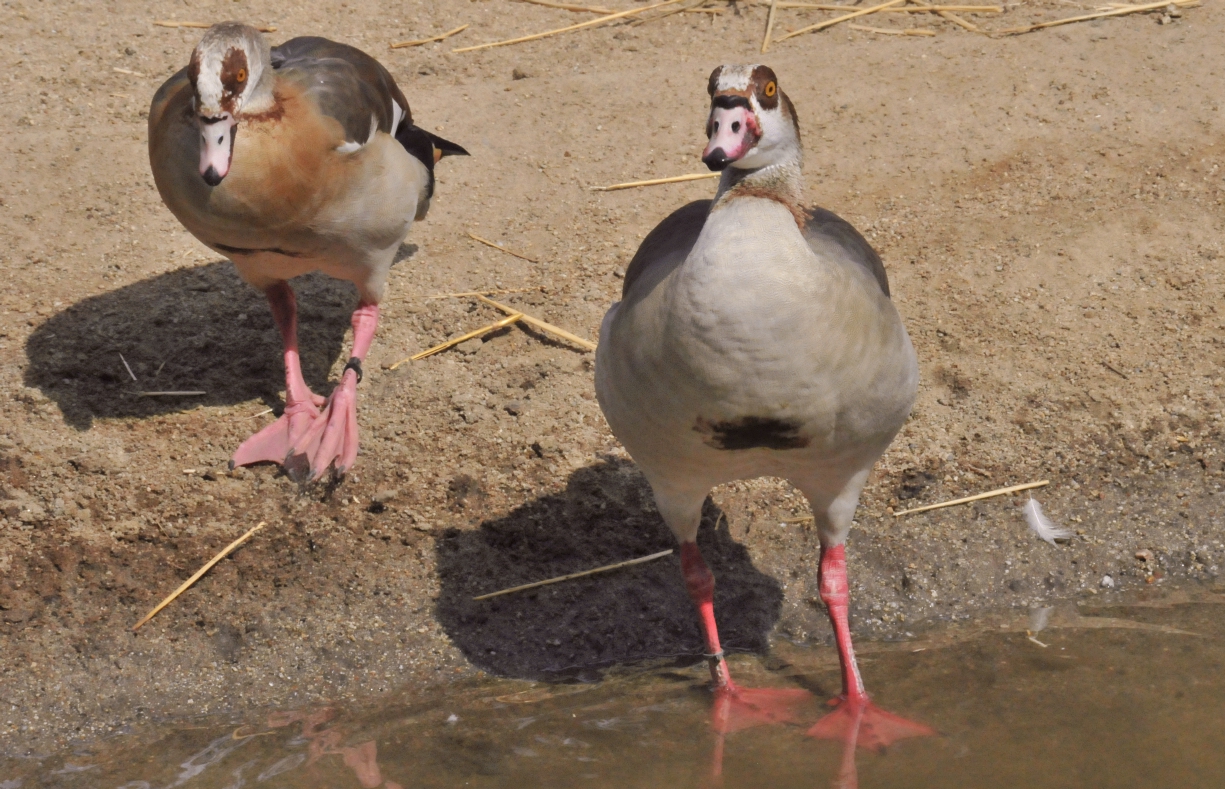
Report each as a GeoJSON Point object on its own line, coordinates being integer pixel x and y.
{"type": "Point", "coordinates": [1049, 207]}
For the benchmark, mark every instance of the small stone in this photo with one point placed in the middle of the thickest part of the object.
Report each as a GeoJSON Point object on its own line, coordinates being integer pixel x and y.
{"type": "Point", "coordinates": [422, 526]}
{"type": "Point", "coordinates": [519, 73]}
{"type": "Point", "coordinates": [1145, 556]}
{"type": "Point", "coordinates": [1107, 582]}
{"type": "Point", "coordinates": [385, 495]}
{"type": "Point", "coordinates": [514, 407]}
{"type": "Point", "coordinates": [469, 347]}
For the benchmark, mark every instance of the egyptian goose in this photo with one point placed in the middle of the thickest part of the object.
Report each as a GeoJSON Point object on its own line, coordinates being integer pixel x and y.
{"type": "Point", "coordinates": [288, 160]}
{"type": "Point", "coordinates": [756, 337]}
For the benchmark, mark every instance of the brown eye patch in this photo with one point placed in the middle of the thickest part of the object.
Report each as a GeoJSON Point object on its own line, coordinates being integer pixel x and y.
{"type": "Point", "coordinates": [234, 71]}
{"type": "Point", "coordinates": [765, 86]}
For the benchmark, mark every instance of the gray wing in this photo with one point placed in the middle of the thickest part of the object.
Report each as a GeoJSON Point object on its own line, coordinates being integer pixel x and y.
{"type": "Point", "coordinates": [345, 83]}
{"type": "Point", "coordinates": [669, 243]}
{"type": "Point", "coordinates": [832, 236]}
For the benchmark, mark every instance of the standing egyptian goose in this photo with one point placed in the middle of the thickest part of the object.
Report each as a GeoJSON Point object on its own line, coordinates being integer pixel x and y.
{"type": "Point", "coordinates": [755, 337]}
{"type": "Point", "coordinates": [288, 160]}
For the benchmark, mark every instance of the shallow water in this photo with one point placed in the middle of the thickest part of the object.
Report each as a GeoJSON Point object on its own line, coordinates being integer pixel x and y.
{"type": "Point", "coordinates": [1119, 693]}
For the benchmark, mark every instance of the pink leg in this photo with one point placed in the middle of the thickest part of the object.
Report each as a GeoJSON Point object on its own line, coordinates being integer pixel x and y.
{"type": "Point", "coordinates": [836, 594]}
{"type": "Point", "coordinates": [272, 444]}
{"type": "Point", "coordinates": [700, 582]}
{"type": "Point", "coordinates": [735, 707]}
{"type": "Point", "coordinates": [857, 721]}
{"type": "Point", "coordinates": [332, 441]}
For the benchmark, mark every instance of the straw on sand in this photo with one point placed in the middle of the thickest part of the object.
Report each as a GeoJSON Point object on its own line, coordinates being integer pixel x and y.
{"type": "Point", "coordinates": [831, 22]}
{"type": "Point", "coordinates": [539, 324]}
{"type": "Point", "coordinates": [483, 293]}
{"type": "Point", "coordinates": [561, 578]}
{"type": "Point", "coordinates": [765, 41]}
{"type": "Point", "coordinates": [590, 9]}
{"type": "Point", "coordinates": [656, 181]}
{"type": "Point", "coordinates": [978, 497]}
{"type": "Point", "coordinates": [187, 584]}
{"type": "Point", "coordinates": [419, 41]}
{"type": "Point", "coordinates": [1131, 9]}
{"type": "Point", "coordinates": [947, 14]}
{"type": "Point", "coordinates": [203, 25]}
{"type": "Point", "coordinates": [895, 31]}
{"type": "Point", "coordinates": [579, 26]}
{"type": "Point", "coordinates": [489, 243]}
{"type": "Point", "coordinates": [507, 321]}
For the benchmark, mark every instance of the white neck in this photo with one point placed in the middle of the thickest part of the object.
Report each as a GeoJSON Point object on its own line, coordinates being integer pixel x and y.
{"type": "Point", "coordinates": [783, 179]}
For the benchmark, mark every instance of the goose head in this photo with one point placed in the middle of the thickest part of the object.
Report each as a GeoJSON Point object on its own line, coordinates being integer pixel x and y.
{"type": "Point", "coordinates": [230, 72]}
{"type": "Point", "coordinates": [752, 123]}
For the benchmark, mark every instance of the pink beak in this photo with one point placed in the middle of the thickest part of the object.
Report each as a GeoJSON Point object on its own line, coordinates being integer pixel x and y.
{"type": "Point", "coordinates": [216, 147]}
{"type": "Point", "coordinates": [733, 132]}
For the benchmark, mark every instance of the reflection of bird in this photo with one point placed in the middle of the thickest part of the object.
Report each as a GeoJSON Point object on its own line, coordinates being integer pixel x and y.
{"type": "Point", "coordinates": [288, 160]}
{"type": "Point", "coordinates": [755, 337]}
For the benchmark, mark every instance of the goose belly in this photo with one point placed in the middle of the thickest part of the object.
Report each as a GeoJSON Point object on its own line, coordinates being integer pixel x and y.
{"type": "Point", "coordinates": [771, 364]}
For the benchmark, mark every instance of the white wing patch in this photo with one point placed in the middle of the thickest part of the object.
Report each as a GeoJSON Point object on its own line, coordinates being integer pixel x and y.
{"type": "Point", "coordinates": [350, 146]}
{"type": "Point", "coordinates": [397, 115]}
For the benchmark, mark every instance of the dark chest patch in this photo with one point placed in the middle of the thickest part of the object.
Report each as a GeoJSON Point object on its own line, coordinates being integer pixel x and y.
{"type": "Point", "coordinates": [751, 432]}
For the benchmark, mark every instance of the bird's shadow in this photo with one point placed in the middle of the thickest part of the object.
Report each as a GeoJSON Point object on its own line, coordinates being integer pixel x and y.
{"type": "Point", "coordinates": [573, 629]}
{"type": "Point", "coordinates": [198, 328]}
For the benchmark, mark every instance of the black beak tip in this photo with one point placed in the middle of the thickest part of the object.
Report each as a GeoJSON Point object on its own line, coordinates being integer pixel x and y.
{"type": "Point", "coordinates": [211, 176]}
{"type": "Point", "coordinates": [716, 160]}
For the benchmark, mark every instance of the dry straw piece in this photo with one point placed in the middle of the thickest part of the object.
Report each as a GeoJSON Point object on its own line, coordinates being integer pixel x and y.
{"type": "Point", "coordinates": [831, 22]}
{"type": "Point", "coordinates": [419, 41]}
{"type": "Point", "coordinates": [571, 576]}
{"type": "Point", "coordinates": [676, 179]}
{"type": "Point", "coordinates": [502, 324]}
{"type": "Point", "coordinates": [539, 324]}
{"type": "Point", "coordinates": [590, 9]}
{"type": "Point", "coordinates": [1131, 9]}
{"type": "Point", "coordinates": [956, 20]}
{"type": "Point", "coordinates": [977, 497]}
{"type": "Point", "coordinates": [484, 293]}
{"type": "Point", "coordinates": [579, 26]}
{"type": "Point", "coordinates": [201, 25]}
{"type": "Point", "coordinates": [765, 41]}
{"type": "Point", "coordinates": [896, 31]}
{"type": "Point", "coordinates": [489, 243]}
{"type": "Point", "coordinates": [187, 584]}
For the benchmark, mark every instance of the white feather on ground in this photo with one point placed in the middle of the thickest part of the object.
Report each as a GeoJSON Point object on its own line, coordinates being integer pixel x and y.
{"type": "Point", "coordinates": [1042, 525]}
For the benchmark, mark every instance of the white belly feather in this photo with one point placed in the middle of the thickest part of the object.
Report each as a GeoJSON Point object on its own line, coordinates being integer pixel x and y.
{"type": "Point", "coordinates": [755, 358]}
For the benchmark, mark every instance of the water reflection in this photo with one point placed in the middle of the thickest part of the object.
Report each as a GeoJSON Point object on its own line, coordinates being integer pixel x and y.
{"type": "Point", "coordinates": [1120, 695]}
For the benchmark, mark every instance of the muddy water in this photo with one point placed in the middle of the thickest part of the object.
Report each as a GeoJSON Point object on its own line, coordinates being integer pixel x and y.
{"type": "Point", "coordinates": [1111, 693]}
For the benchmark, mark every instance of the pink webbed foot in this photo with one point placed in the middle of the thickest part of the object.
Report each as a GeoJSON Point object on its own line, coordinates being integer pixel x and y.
{"type": "Point", "coordinates": [736, 708]}
{"type": "Point", "coordinates": [330, 442]}
{"type": "Point", "coordinates": [274, 443]}
{"type": "Point", "coordinates": [859, 722]}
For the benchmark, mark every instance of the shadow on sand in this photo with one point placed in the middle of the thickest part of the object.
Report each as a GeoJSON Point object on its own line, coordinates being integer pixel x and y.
{"type": "Point", "coordinates": [571, 629]}
{"type": "Point", "coordinates": [198, 328]}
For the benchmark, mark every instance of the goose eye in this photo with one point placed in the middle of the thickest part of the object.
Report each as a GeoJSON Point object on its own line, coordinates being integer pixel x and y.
{"type": "Point", "coordinates": [771, 89]}
{"type": "Point", "coordinates": [241, 76]}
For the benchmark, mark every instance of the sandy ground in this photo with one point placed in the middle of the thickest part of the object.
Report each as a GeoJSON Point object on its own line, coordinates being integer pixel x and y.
{"type": "Point", "coordinates": [1049, 207]}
